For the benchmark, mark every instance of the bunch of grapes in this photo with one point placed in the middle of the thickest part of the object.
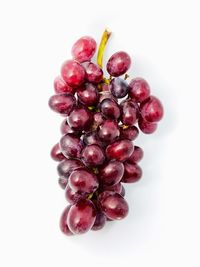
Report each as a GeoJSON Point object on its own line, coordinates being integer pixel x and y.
{"type": "Point", "coordinates": [96, 151]}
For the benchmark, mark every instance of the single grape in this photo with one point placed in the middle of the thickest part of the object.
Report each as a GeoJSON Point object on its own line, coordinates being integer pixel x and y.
{"type": "Point", "coordinates": [56, 153]}
{"type": "Point", "coordinates": [115, 188]}
{"type": "Point", "coordinates": [137, 155]}
{"type": "Point", "coordinates": [118, 64]}
{"type": "Point", "coordinates": [132, 173]}
{"type": "Point", "coordinates": [63, 222]}
{"type": "Point", "coordinates": [113, 205]}
{"type": "Point", "coordinates": [67, 166]}
{"type": "Point", "coordinates": [99, 221]}
{"type": "Point", "coordinates": [139, 90]}
{"type": "Point", "coordinates": [129, 113]}
{"type": "Point", "coordinates": [120, 150]}
{"type": "Point", "coordinates": [62, 103]}
{"type": "Point", "coordinates": [88, 94]}
{"type": "Point", "coordinates": [81, 216]}
{"type": "Point", "coordinates": [84, 181]}
{"type": "Point", "coordinates": [147, 127]}
{"type": "Point", "coordinates": [71, 146]}
{"type": "Point", "coordinates": [111, 173]}
{"type": "Point", "coordinates": [65, 128]}
{"type": "Point", "coordinates": [110, 108]}
{"type": "Point", "coordinates": [119, 87]}
{"type": "Point", "coordinates": [93, 155]}
{"type": "Point", "coordinates": [130, 133]}
{"type": "Point", "coordinates": [94, 73]}
{"type": "Point", "coordinates": [60, 86]}
{"type": "Point", "coordinates": [92, 138]}
{"type": "Point", "coordinates": [152, 109]}
{"type": "Point", "coordinates": [73, 73]}
{"type": "Point", "coordinates": [62, 181]}
{"type": "Point", "coordinates": [79, 119]}
{"type": "Point", "coordinates": [72, 196]}
{"type": "Point", "coordinates": [84, 49]}
{"type": "Point", "coordinates": [108, 131]}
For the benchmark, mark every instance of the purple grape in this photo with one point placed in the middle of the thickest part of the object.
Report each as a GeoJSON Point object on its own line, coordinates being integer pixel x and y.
{"type": "Point", "coordinates": [119, 87]}
{"type": "Point", "coordinates": [71, 146]}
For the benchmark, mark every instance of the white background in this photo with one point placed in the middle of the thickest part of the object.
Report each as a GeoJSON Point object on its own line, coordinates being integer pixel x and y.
{"type": "Point", "coordinates": [163, 40]}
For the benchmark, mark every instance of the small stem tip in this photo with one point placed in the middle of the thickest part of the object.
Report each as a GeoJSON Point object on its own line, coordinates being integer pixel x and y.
{"type": "Point", "coordinates": [104, 39]}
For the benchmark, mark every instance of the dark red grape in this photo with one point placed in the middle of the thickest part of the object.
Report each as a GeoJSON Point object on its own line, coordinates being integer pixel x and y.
{"type": "Point", "coordinates": [139, 90]}
{"type": "Point", "coordinates": [84, 49]}
{"type": "Point", "coordinates": [79, 119]}
{"type": "Point", "coordinates": [63, 222]}
{"type": "Point", "coordinates": [94, 73]}
{"type": "Point", "coordinates": [91, 138]}
{"type": "Point", "coordinates": [81, 216]}
{"type": "Point", "coordinates": [119, 87]}
{"type": "Point", "coordinates": [113, 205]}
{"type": "Point", "coordinates": [88, 94]}
{"type": "Point", "coordinates": [137, 155]}
{"type": "Point", "coordinates": [111, 173]}
{"type": "Point", "coordinates": [152, 109]}
{"type": "Point", "coordinates": [108, 131]}
{"type": "Point", "coordinates": [99, 221]}
{"type": "Point", "coordinates": [60, 86]}
{"type": "Point", "coordinates": [62, 103]}
{"type": "Point", "coordinates": [130, 133]}
{"type": "Point", "coordinates": [62, 181]}
{"type": "Point", "coordinates": [97, 119]}
{"type": "Point", "coordinates": [106, 95]}
{"type": "Point", "coordinates": [84, 181]}
{"type": "Point", "coordinates": [73, 73]}
{"type": "Point", "coordinates": [129, 113]}
{"type": "Point", "coordinates": [67, 166]}
{"type": "Point", "coordinates": [147, 127]}
{"type": "Point", "coordinates": [71, 146]}
{"type": "Point", "coordinates": [110, 109]}
{"type": "Point", "coordinates": [120, 150]}
{"type": "Point", "coordinates": [118, 64]}
{"type": "Point", "coordinates": [56, 153]}
{"type": "Point", "coordinates": [132, 173]}
{"type": "Point", "coordinates": [93, 155]}
{"type": "Point", "coordinates": [73, 196]}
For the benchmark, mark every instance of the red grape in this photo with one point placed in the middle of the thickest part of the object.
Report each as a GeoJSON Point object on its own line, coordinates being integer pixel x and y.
{"type": "Point", "coordinates": [99, 221]}
{"type": "Point", "coordinates": [130, 133]}
{"type": "Point", "coordinates": [120, 150]}
{"type": "Point", "coordinates": [73, 196]}
{"type": "Point", "coordinates": [118, 64]}
{"type": "Point", "coordinates": [79, 119]}
{"type": "Point", "coordinates": [60, 86]}
{"type": "Point", "coordinates": [108, 131]}
{"type": "Point", "coordinates": [129, 113]}
{"type": "Point", "coordinates": [110, 108]}
{"type": "Point", "coordinates": [152, 109]}
{"type": "Point", "coordinates": [81, 216]}
{"type": "Point", "coordinates": [139, 89]}
{"type": "Point", "coordinates": [67, 166]}
{"type": "Point", "coordinates": [137, 155]}
{"type": "Point", "coordinates": [147, 127]}
{"type": "Point", "coordinates": [84, 181]}
{"type": "Point", "coordinates": [111, 173]}
{"type": "Point", "coordinates": [62, 103]}
{"type": "Point", "coordinates": [84, 49]}
{"type": "Point", "coordinates": [71, 146]}
{"type": "Point", "coordinates": [73, 73]}
{"type": "Point", "coordinates": [62, 181]}
{"type": "Point", "coordinates": [93, 155]}
{"type": "Point", "coordinates": [88, 94]}
{"type": "Point", "coordinates": [132, 173]}
{"type": "Point", "coordinates": [113, 205]}
{"type": "Point", "coordinates": [94, 73]}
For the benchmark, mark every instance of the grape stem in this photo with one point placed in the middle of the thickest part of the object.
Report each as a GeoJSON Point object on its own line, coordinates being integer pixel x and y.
{"type": "Point", "coordinates": [104, 39]}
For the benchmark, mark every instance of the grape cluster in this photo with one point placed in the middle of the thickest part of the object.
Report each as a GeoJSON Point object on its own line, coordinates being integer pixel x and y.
{"type": "Point", "coordinates": [96, 154]}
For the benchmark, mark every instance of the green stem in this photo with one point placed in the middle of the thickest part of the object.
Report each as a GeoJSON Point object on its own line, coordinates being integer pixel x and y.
{"type": "Point", "coordinates": [104, 40]}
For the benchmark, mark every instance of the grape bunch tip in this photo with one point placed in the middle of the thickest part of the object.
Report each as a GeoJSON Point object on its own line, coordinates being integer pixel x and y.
{"type": "Point", "coordinates": [103, 116]}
